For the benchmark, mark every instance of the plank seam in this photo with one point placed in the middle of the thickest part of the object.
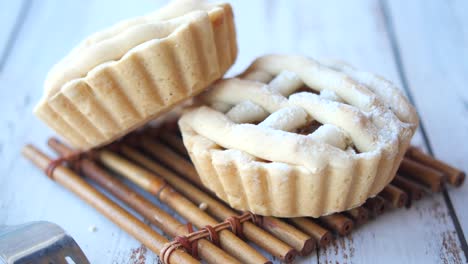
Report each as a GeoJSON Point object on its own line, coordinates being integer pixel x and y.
{"type": "Point", "coordinates": [404, 80]}
{"type": "Point", "coordinates": [317, 251]}
{"type": "Point", "coordinates": [13, 37]}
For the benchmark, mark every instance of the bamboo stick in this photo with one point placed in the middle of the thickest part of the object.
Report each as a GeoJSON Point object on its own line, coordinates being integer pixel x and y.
{"type": "Point", "coordinates": [425, 175]}
{"type": "Point", "coordinates": [172, 160]}
{"type": "Point", "coordinates": [105, 206]}
{"type": "Point", "coordinates": [207, 251]}
{"type": "Point", "coordinates": [171, 125]}
{"type": "Point", "coordinates": [455, 176]}
{"type": "Point", "coordinates": [174, 141]}
{"type": "Point", "coordinates": [360, 215]}
{"type": "Point", "coordinates": [284, 231]}
{"type": "Point", "coordinates": [375, 205]}
{"type": "Point", "coordinates": [338, 223]}
{"type": "Point", "coordinates": [252, 232]}
{"type": "Point", "coordinates": [414, 190]}
{"type": "Point", "coordinates": [320, 234]}
{"type": "Point", "coordinates": [303, 243]}
{"type": "Point", "coordinates": [166, 194]}
{"type": "Point", "coordinates": [394, 196]}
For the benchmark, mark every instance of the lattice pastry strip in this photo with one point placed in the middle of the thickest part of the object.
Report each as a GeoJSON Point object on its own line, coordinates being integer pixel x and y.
{"type": "Point", "coordinates": [254, 120]}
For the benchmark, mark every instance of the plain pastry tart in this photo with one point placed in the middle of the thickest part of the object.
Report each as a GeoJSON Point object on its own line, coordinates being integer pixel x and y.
{"type": "Point", "coordinates": [295, 137]}
{"type": "Point", "coordinates": [122, 77]}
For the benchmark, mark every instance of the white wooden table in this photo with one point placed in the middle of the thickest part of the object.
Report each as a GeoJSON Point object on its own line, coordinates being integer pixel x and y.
{"type": "Point", "coordinates": [422, 45]}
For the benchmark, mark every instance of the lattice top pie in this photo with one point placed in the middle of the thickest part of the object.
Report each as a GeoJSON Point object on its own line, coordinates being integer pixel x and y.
{"type": "Point", "coordinates": [292, 136]}
{"type": "Point", "coordinates": [118, 79]}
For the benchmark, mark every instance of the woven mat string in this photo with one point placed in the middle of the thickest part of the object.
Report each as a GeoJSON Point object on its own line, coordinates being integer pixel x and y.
{"type": "Point", "coordinates": [53, 164]}
{"type": "Point", "coordinates": [189, 242]}
{"type": "Point", "coordinates": [214, 237]}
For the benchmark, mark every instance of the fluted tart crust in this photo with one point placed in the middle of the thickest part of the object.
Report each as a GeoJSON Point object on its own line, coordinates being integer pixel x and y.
{"type": "Point", "coordinates": [118, 79]}
{"type": "Point", "coordinates": [294, 137]}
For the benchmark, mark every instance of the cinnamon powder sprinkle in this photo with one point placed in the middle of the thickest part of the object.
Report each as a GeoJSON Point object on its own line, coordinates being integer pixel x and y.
{"type": "Point", "coordinates": [138, 255]}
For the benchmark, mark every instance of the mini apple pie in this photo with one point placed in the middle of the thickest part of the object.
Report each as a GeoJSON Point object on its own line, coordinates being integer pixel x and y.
{"type": "Point", "coordinates": [295, 137]}
{"type": "Point", "coordinates": [122, 77]}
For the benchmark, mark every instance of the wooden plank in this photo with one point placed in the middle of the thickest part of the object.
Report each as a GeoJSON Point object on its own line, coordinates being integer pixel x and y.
{"type": "Point", "coordinates": [51, 31]}
{"type": "Point", "coordinates": [433, 47]}
{"type": "Point", "coordinates": [356, 32]}
{"type": "Point", "coordinates": [251, 20]}
{"type": "Point", "coordinates": [11, 20]}
{"type": "Point", "coordinates": [25, 194]}
{"type": "Point", "coordinates": [458, 9]}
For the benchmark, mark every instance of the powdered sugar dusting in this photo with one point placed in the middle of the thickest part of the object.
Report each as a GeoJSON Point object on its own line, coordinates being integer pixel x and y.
{"type": "Point", "coordinates": [367, 124]}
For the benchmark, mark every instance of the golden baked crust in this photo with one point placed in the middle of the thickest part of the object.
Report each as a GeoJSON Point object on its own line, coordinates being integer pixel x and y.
{"type": "Point", "coordinates": [120, 78]}
{"type": "Point", "coordinates": [248, 147]}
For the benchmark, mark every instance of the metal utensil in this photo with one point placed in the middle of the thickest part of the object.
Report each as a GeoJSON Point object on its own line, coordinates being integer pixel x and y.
{"type": "Point", "coordinates": [38, 242]}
